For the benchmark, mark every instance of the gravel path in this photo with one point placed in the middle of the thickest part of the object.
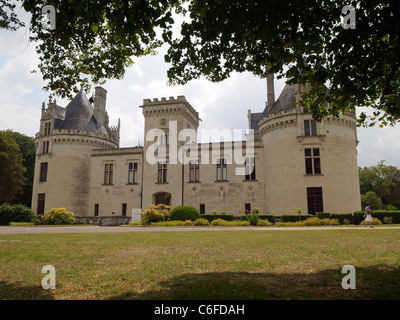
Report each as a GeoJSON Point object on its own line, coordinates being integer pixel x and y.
{"type": "Point", "coordinates": [98, 229]}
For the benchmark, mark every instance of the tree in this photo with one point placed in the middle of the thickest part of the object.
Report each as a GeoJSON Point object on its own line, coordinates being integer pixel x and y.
{"type": "Point", "coordinates": [27, 147]}
{"type": "Point", "coordinates": [11, 167]}
{"type": "Point", "coordinates": [304, 42]}
{"type": "Point", "coordinates": [383, 180]}
{"type": "Point", "coordinates": [372, 198]}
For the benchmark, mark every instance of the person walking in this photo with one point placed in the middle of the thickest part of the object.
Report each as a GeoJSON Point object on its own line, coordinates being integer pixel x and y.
{"type": "Point", "coordinates": [368, 215]}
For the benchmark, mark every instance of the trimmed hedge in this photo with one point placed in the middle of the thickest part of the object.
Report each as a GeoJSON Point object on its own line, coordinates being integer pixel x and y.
{"type": "Point", "coordinates": [344, 216]}
{"type": "Point", "coordinates": [296, 217]}
{"type": "Point", "coordinates": [15, 213]}
{"type": "Point", "coordinates": [380, 215]}
{"type": "Point", "coordinates": [211, 217]}
{"type": "Point", "coordinates": [183, 213]}
{"type": "Point", "coordinates": [323, 215]}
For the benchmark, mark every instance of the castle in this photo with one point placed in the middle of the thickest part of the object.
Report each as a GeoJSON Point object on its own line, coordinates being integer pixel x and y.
{"type": "Point", "coordinates": [289, 162]}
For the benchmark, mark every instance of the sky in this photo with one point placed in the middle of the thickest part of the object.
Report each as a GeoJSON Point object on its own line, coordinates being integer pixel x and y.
{"type": "Point", "coordinates": [220, 105]}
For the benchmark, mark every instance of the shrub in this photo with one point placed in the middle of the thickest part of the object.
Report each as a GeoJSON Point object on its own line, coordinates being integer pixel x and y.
{"type": "Point", "coordinates": [295, 217]}
{"type": "Point", "coordinates": [201, 222]}
{"type": "Point", "coordinates": [269, 217]}
{"type": "Point", "coordinates": [59, 216]}
{"type": "Point", "coordinates": [224, 216]}
{"type": "Point", "coordinates": [342, 216]}
{"type": "Point", "coordinates": [22, 224]}
{"type": "Point", "coordinates": [264, 223]}
{"type": "Point", "coordinates": [375, 221]}
{"type": "Point", "coordinates": [156, 213]}
{"type": "Point", "coordinates": [252, 218]}
{"type": "Point", "coordinates": [346, 222]}
{"type": "Point", "coordinates": [380, 215]}
{"type": "Point", "coordinates": [219, 222]}
{"type": "Point", "coordinates": [15, 213]}
{"type": "Point", "coordinates": [188, 223]}
{"type": "Point", "coordinates": [388, 220]}
{"type": "Point", "coordinates": [184, 213]}
{"type": "Point", "coordinates": [323, 215]}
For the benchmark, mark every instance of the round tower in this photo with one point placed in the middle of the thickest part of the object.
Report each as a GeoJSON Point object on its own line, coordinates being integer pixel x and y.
{"type": "Point", "coordinates": [64, 146]}
{"type": "Point", "coordinates": [308, 165]}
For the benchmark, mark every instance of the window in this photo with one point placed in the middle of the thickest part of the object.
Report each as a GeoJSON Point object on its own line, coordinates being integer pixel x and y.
{"type": "Point", "coordinates": [163, 139]}
{"type": "Point", "coordinates": [96, 209]}
{"type": "Point", "coordinates": [221, 170]}
{"type": "Point", "coordinates": [313, 162]}
{"type": "Point", "coordinates": [46, 147]}
{"type": "Point", "coordinates": [43, 172]}
{"type": "Point", "coordinates": [47, 127]}
{"type": "Point", "coordinates": [133, 173]}
{"type": "Point", "coordinates": [124, 209]}
{"type": "Point", "coordinates": [202, 208]}
{"type": "Point", "coordinates": [194, 171]}
{"type": "Point", "coordinates": [310, 128]}
{"type": "Point", "coordinates": [314, 200]}
{"type": "Point", "coordinates": [247, 208]}
{"type": "Point", "coordinates": [108, 173]}
{"type": "Point", "coordinates": [250, 169]}
{"type": "Point", "coordinates": [162, 172]}
{"type": "Point", "coordinates": [41, 202]}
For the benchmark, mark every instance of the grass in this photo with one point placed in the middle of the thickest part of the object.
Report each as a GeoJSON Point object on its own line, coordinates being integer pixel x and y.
{"type": "Point", "coordinates": [256, 264]}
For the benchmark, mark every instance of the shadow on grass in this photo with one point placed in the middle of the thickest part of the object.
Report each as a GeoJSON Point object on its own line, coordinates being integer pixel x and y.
{"type": "Point", "coordinates": [23, 291]}
{"type": "Point", "coordinates": [380, 282]}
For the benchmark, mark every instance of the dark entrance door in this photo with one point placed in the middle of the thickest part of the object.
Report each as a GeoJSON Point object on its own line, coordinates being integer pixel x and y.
{"type": "Point", "coordinates": [162, 198]}
{"type": "Point", "coordinates": [314, 200]}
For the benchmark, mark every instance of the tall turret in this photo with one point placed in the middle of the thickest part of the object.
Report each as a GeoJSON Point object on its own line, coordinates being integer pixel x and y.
{"type": "Point", "coordinates": [64, 144]}
{"type": "Point", "coordinates": [308, 165]}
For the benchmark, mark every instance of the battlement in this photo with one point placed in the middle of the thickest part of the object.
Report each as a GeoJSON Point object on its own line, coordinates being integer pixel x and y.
{"type": "Point", "coordinates": [56, 133]}
{"type": "Point", "coordinates": [171, 101]}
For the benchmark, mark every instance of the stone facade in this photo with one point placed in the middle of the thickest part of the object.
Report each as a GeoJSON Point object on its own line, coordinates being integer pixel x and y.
{"type": "Point", "coordinates": [298, 163]}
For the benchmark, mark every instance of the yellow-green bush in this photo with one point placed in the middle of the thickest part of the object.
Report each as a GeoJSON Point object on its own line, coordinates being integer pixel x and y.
{"type": "Point", "coordinates": [201, 222]}
{"type": "Point", "coordinates": [59, 216]}
{"type": "Point", "coordinates": [375, 221]}
{"type": "Point", "coordinates": [264, 223]}
{"type": "Point", "coordinates": [219, 222]}
{"type": "Point", "coordinates": [156, 213]}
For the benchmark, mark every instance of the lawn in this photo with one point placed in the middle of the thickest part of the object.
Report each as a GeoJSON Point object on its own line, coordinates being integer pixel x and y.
{"type": "Point", "coordinates": [253, 264]}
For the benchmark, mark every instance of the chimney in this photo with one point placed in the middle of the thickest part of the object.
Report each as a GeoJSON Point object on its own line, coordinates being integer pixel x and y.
{"type": "Point", "coordinates": [270, 91]}
{"type": "Point", "coordinates": [99, 111]}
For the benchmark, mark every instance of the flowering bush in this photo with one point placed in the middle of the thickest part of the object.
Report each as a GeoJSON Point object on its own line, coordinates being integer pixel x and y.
{"type": "Point", "coordinates": [156, 213]}
{"type": "Point", "coordinates": [264, 223]}
{"type": "Point", "coordinates": [59, 216]}
{"type": "Point", "coordinates": [201, 222]}
{"type": "Point", "coordinates": [375, 221]}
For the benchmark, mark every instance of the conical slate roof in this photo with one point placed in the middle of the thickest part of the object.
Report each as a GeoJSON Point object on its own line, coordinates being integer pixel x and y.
{"type": "Point", "coordinates": [286, 101]}
{"type": "Point", "coordinates": [79, 116]}
{"type": "Point", "coordinates": [77, 113]}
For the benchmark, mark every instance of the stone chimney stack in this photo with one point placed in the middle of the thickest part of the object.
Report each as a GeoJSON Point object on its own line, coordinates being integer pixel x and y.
{"type": "Point", "coordinates": [99, 111]}
{"type": "Point", "coordinates": [270, 91]}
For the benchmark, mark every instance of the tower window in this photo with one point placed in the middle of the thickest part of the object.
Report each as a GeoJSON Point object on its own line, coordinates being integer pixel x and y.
{"type": "Point", "coordinates": [41, 203]}
{"type": "Point", "coordinates": [46, 147]}
{"type": "Point", "coordinates": [47, 127]}
{"type": "Point", "coordinates": [310, 128]}
{"type": "Point", "coordinates": [221, 170]}
{"type": "Point", "coordinates": [43, 172]}
{"type": "Point", "coordinates": [313, 161]}
{"type": "Point", "coordinates": [162, 172]}
{"type": "Point", "coordinates": [108, 173]}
